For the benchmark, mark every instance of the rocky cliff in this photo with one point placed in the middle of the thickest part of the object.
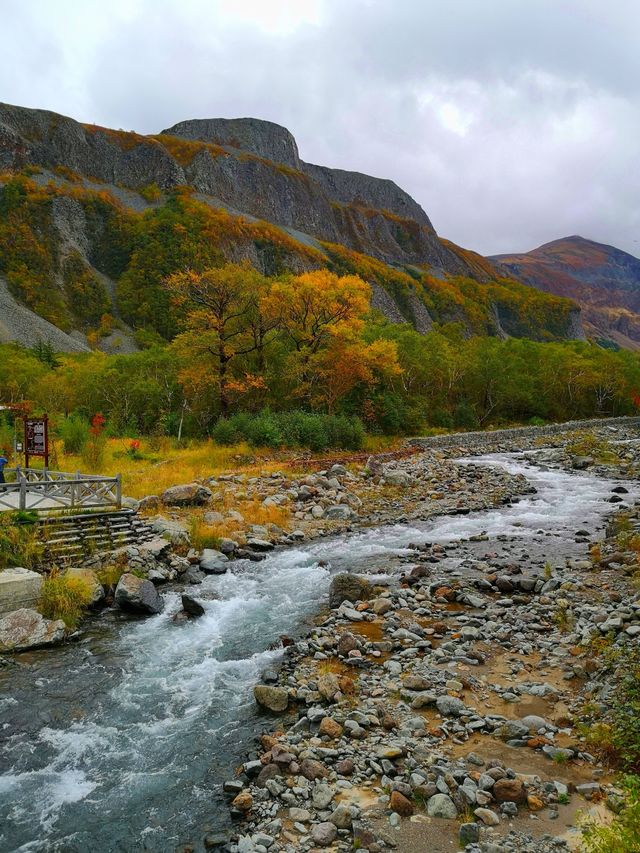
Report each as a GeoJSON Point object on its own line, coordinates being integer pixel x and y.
{"type": "Point", "coordinates": [603, 280]}
{"type": "Point", "coordinates": [239, 188]}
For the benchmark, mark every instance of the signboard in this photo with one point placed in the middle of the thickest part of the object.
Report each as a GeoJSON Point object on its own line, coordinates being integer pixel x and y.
{"type": "Point", "coordinates": [36, 439]}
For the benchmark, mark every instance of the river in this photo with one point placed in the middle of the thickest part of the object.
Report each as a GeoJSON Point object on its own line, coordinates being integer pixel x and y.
{"type": "Point", "coordinates": [120, 741]}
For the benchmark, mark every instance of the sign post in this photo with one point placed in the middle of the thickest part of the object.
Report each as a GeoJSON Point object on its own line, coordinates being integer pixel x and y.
{"type": "Point", "coordinates": [36, 439]}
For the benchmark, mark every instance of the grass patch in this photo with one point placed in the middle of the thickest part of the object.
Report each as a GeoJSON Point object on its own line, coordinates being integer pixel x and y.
{"type": "Point", "coordinates": [19, 543]}
{"type": "Point", "coordinates": [65, 598]}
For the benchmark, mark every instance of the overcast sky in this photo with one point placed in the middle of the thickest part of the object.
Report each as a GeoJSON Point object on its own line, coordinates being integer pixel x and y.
{"type": "Point", "coordinates": [512, 122]}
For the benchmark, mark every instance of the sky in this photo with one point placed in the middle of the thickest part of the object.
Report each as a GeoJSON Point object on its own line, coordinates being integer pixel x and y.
{"type": "Point", "coordinates": [512, 122]}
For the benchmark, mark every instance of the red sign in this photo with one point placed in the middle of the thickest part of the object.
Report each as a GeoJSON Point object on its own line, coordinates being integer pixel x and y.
{"type": "Point", "coordinates": [36, 439]}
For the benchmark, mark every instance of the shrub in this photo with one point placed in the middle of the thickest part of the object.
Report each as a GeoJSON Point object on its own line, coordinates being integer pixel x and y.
{"type": "Point", "coordinates": [74, 432]}
{"type": "Point", "coordinates": [65, 598]}
{"type": "Point", "coordinates": [291, 429]}
{"type": "Point", "coordinates": [622, 834]}
{"type": "Point", "coordinates": [225, 432]}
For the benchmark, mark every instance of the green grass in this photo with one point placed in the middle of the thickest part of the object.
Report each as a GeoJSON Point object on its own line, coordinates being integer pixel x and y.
{"type": "Point", "coordinates": [622, 835]}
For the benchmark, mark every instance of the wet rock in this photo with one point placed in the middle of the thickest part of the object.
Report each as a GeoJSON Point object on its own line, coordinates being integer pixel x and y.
{"type": "Point", "coordinates": [27, 629]}
{"type": "Point", "coordinates": [275, 699]}
{"type": "Point", "coordinates": [138, 595]}
{"type": "Point", "coordinates": [189, 494]}
{"type": "Point", "coordinates": [213, 562]}
{"type": "Point", "coordinates": [346, 587]}
{"type": "Point", "coordinates": [243, 802]}
{"type": "Point", "coordinates": [260, 545]}
{"type": "Point", "coordinates": [191, 606]}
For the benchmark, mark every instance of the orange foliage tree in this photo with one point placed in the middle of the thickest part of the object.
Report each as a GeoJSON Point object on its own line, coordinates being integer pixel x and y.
{"type": "Point", "coordinates": [322, 317]}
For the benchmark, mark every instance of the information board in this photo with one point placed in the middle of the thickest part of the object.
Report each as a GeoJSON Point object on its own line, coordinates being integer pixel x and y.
{"type": "Point", "coordinates": [36, 439]}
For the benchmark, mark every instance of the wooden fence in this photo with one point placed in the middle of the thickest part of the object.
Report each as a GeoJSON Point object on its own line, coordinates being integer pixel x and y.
{"type": "Point", "coordinates": [42, 490]}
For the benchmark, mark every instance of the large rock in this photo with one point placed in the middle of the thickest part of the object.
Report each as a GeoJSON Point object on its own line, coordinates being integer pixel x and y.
{"type": "Point", "coordinates": [441, 805]}
{"type": "Point", "coordinates": [339, 512]}
{"type": "Point", "coordinates": [138, 595]}
{"type": "Point", "coordinates": [19, 588]}
{"type": "Point", "coordinates": [509, 791]}
{"type": "Point", "coordinates": [347, 587]}
{"type": "Point", "coordinates": [213, 562]}
{"type": "Point", "coordinates": [27, 629]}
{"type": "Point", "coordinates": [275, 699]}
{"type": "Point", "coordinates": [90, 578]}
{"type": "Point", "coordinates": [189, 494]}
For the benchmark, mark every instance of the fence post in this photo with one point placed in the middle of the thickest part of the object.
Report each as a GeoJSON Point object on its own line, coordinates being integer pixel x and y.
{"type": "Point", "coordinates": [23, 493]}
{"type": "Point", "coordinates": [119, 491]}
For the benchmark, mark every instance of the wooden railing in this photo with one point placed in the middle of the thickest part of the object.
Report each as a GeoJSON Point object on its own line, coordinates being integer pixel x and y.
{"type": "Point", "coordinates": [42, 490]}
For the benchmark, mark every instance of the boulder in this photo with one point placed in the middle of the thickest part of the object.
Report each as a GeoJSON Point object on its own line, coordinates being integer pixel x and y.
{"type": "Point", "coordinates": [189, 494]}
{"type": "Point", "coordinates": [149, 503]}
{"type": "Point", "coordinates": [27, 629]}
{"type": "Point", "coordinates": [138, 595]}
{"type": "Point", "coordinates": [19, 588]}
{"type": "Point", "coordinates": [171, 530]}
{"type": "Point", "coordinates": [328, 686]}
{"type": "Point", "coordinates": [213, 562]}
{"type": "Point", "coordinates": [91, 579]}
{"type": "Point", "coordinates": [324, 834]}
{"type": "Point", "coordinates": [450, 706]}
{"type": "Point", "coordinates": [399, 804]}
{"type": "Point", "coordinates": [509, 791]}
{"type": "Point", "coordinates": [275, 699]}
{"type": "Point", "coordinates": [347, 587]}
{"type": "Point", "coordinates": [191, 606]}
{"type": "Point", "coordinates": [441, 805]}
{"type": "Point", "coordinates": [156, 548]}
{"type": "Point", "coordinates": [396, 478]}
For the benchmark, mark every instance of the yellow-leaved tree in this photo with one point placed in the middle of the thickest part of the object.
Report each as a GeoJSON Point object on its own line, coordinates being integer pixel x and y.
{"type": "Point", "coordinates": [322, 317]}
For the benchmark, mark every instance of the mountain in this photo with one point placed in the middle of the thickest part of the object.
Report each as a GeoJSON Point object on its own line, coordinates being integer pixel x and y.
{"type": "Point", "coordinates": [92, 219]}
{"type": "Point", "coordinates": [603, 280]}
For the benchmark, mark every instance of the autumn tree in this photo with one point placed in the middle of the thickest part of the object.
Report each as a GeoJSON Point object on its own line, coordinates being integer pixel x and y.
{"type": "Point", "coordinates": [223, 323]}
{"type": "Point", "coordinates": [321, 317]}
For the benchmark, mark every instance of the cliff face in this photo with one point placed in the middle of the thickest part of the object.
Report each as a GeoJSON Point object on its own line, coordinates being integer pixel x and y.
{"type": "Point", "coordinates": [250, 166]}
{"type": "Point", "coordinates": [249, 196]}
{"type": "Point", "coordinates": [603, 280]}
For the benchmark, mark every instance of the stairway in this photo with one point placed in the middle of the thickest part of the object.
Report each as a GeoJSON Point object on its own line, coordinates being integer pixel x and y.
{"type": "Point", "coordinates": [74, 537]}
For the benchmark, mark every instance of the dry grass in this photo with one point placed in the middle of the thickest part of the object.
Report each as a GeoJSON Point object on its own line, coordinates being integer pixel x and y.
{"type": "Point", "coordinates": [65, 598]}
{"type": "Point", "coordinates": [208, 535]}
{"type": "Point", "coordinates": [162, 462]}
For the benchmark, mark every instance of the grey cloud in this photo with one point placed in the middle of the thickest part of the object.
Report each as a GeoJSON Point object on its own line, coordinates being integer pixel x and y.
{"type": "Point", "coordinates": [511, 122]}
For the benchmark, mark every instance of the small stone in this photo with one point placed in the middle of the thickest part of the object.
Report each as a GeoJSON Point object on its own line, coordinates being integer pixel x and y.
{"type": "Point", "coordinates": [488, 817]}
{"type": "Point", "coordinates": [324, 834]}
{"type": "Point", "coordinates": [330, 728]}
{"type": "Point", "coordinates": [243, 802]}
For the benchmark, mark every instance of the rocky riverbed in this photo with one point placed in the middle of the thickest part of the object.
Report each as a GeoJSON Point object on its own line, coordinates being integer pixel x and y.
{"type": "Point", "coordinates": [430, 702]}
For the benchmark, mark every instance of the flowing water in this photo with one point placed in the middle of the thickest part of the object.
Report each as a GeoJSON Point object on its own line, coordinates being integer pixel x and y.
{"type": "Point", "coordinates": [119, 742]}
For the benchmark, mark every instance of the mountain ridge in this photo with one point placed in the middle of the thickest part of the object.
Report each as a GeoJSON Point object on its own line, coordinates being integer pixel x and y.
{"type": "Point", "coordinates": [602, 279]}
{"type": "Point", "coordinates": [86, 198]}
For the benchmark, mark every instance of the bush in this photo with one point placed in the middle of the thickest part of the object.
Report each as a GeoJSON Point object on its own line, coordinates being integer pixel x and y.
{"type": "Point", "coordinates": [225, 432]}
{"type": "Point", "coordinates": [291, 429]}
{"type": "Point", "coordinates": [65, 598]}
{"type": "Point", "coordinates": [74, 432]}
{"type": "Point", "coordinates": [622, 834]}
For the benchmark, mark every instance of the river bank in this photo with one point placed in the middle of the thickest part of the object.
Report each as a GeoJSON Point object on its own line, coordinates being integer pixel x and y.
{"type": "Point", "coordinates": [134, 729]}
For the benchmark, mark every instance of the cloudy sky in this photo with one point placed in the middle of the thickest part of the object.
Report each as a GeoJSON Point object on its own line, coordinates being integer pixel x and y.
{"type": "Point", "coordinates": [512, 122]}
